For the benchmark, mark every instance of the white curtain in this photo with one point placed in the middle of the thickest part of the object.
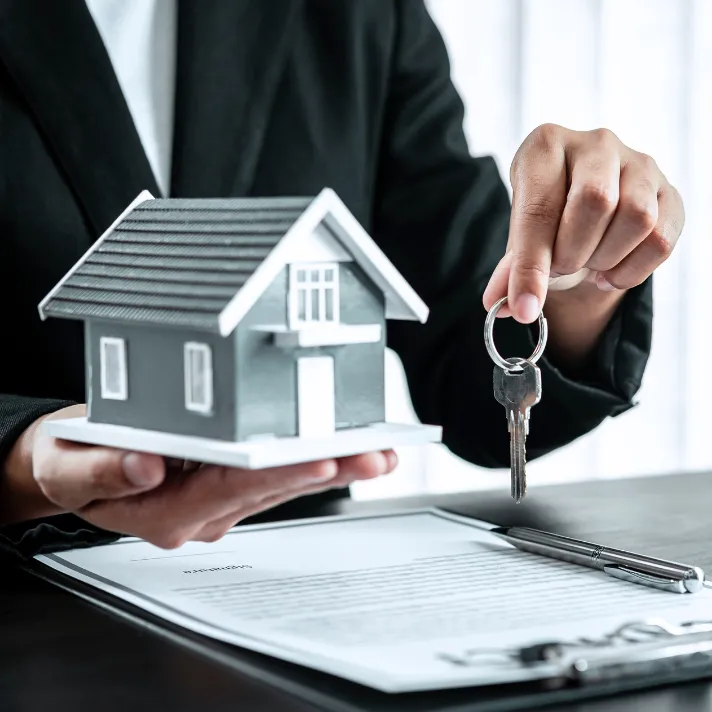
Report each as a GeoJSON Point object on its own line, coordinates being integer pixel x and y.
{"type": "Point", "coordinates": [642, 68]}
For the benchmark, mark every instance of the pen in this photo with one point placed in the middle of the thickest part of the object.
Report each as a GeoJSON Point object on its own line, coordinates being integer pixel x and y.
{"type": "Point", "coordinates": [645, 570]}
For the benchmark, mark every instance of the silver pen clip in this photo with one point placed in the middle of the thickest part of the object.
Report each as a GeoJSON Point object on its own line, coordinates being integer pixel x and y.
{"type": "Point", "coordinates": [633, 576]}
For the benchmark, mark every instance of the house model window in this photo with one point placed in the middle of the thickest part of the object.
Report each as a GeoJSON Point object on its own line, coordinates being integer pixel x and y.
{"type": "Point", "coordinates": [198, 377]}
{"type": "Point", "coordinates": [314, 294]}
{"type": "Point", "coordinates": [113, 368]}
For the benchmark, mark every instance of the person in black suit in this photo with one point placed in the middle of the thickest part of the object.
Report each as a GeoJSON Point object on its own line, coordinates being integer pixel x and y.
{"type": "Point", "coordinates": [283, 98]}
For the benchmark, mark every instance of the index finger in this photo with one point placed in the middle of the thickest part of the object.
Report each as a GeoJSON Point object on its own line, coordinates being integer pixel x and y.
{"type": "Point", "coordinates": [538, 200]}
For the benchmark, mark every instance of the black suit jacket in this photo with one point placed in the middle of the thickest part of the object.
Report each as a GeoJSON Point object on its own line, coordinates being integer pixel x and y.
{"type": "Point", "coordinates": [277, 97]}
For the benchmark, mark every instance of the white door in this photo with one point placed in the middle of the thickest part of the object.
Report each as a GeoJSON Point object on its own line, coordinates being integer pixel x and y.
{"type": "Point", "coordinates": [315, 394]}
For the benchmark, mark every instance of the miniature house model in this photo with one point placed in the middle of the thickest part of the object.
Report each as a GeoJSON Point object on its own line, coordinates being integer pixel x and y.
{"type": "Point", "coordinates": [240, 331]}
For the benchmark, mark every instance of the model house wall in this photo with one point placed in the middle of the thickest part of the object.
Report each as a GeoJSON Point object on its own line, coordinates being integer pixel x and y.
{"type": "Point", "coordinates": [155, 389]}
{"type": "Point", "coordinates": [267, 374]}
{"type": "Point", "coordinates": [255, 383]}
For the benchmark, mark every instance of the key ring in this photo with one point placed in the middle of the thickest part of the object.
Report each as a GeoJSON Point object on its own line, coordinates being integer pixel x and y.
{"type": "Point", "coordinates": [489, 338]}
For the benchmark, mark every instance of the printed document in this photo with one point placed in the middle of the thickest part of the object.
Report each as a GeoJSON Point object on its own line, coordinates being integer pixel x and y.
{"type": "Point", "coordinates": [393, 601]}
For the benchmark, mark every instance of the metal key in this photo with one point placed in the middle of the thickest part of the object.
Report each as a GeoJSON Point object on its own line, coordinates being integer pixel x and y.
{"type": "Point", "coordinates": [518, 388]}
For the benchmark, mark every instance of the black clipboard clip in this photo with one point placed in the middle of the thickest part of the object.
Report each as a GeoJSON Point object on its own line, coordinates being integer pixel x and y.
{"type": "Point", "coordinates": [640, 649]}
{"type": "Point", "coordinates": [679, 656]}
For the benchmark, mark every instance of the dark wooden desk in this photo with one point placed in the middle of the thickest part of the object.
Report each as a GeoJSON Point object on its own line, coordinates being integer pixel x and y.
{"type": "Point", "coordinates": [60, 653]}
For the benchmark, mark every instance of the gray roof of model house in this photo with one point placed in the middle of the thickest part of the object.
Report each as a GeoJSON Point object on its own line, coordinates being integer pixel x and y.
{"type": "Point", "coordinates": [182, 262]}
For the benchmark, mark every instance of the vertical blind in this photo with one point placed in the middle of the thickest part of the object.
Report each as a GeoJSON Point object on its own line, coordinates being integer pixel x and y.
{"type": "Point", "coordinates": [642, 68]}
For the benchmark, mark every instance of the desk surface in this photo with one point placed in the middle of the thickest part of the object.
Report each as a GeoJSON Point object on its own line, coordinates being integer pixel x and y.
{"type": "Point", "coordinates": [59, 652]}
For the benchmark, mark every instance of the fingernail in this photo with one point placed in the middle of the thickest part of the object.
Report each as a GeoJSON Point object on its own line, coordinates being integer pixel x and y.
{"type": "Point", "coordinates": [380, 461]}
{"type": "Point", "coordinates": [139, 472]}
{"type": "Point", "coordinates": [378, 466]}
{"type": "Point", "coordinates": [373, 464]}
{"type": "Point", "coordinates": [603, 284]}
{"type": "Point", "coordinates": [324, 472]}
{"type": "Point", "coordinates": [392, 460]}
{"type": "Point", "coordinates": [528, 307]}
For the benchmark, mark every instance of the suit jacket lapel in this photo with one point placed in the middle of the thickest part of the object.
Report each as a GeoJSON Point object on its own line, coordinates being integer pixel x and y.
{"type": "Point", "coordinates": [54, 54]}
{"type": "Point", "coordinates": [230, 56]}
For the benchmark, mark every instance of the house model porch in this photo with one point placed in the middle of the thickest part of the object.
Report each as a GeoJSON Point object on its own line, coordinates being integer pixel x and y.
{"type": "Point", "coordinates": [247, 332]}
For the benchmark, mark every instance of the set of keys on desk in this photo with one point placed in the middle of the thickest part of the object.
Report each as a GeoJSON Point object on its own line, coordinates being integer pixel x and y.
{"type": "Point", "coordinates": [517, 386]}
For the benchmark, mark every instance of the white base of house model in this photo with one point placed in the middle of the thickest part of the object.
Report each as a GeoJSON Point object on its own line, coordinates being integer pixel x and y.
{"type": "Point", "coordinates": [250, 454]}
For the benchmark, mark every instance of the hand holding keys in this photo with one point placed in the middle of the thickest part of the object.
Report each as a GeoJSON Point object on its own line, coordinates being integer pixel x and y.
{"type": "Point", "coordinates": [517, 386]}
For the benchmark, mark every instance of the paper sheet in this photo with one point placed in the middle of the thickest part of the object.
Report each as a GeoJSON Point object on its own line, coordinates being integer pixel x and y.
{"type": "Point", "coordinates": [381, 600]}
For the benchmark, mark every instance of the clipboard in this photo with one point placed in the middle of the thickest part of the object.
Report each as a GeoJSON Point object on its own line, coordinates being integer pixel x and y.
{"type": "Point", "coordinates": [670, 660]}
{"type": "Point", "coordinates": [637, 655]}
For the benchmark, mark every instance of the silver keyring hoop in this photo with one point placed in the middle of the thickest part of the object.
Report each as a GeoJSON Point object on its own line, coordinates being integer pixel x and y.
{"type": "Point", "coordinates": [489, 337]}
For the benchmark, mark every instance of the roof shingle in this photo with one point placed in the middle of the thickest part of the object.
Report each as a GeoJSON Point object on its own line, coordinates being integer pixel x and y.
{"type": "Point", "coordinates": [175, 261]}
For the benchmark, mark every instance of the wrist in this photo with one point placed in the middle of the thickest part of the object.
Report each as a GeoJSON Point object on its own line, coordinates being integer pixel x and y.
{"type": "Point", "coordinates": [21, 498]}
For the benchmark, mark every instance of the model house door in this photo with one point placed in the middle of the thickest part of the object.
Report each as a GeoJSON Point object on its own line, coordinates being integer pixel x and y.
{"type": "Point", "coordinates": [315, 393]}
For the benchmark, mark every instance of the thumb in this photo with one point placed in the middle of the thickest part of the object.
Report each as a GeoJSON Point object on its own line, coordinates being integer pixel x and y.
{"type": "Point", "coordinates": [529, 281]}
{"type": "Point", "coordinates": [73, 475]}
{"type": "Point", "coordinates": [498, 286]}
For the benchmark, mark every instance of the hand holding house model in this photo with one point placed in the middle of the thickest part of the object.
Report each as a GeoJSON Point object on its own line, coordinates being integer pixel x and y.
{"type": "Point", "coordinates": [247, 332]}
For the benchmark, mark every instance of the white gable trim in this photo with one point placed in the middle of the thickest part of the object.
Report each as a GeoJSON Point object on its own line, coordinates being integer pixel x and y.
{"type": "Point", "coordinates": [271, 266]}
{"type": "Point", "coordinates": [143, 197]}
{"type": "Point", "coordinates": [316, 247]}
{"type": "Point", "coordinates": [402, 302]}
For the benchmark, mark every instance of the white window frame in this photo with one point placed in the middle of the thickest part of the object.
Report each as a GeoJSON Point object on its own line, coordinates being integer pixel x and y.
{"type": "Point", "coordinates": [321, 286]}
{"type": "Point", "coordinates": [189, 349]}
{"type": "Point", "coordinates": [105, 343]}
